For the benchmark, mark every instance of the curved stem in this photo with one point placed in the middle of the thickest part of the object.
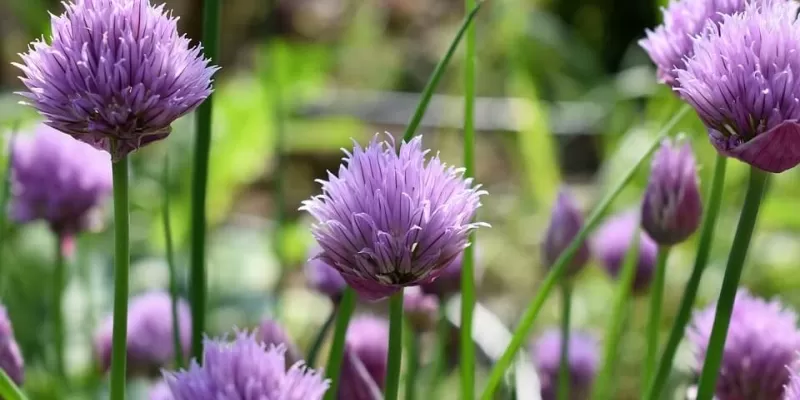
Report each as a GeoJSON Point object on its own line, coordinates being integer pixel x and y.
{"type": "Point", "coordinates": [730, 284]}
{"type": "Point", "coordinates": [173, 273]}
{"type": "Point", "coordinates": [121, 267]}
{"type": "Point", "coordinates": [8, 389]}
{"type": "Point", "coordinates": [317, 344]}
{"type": "Point", "coordinates": [616, 324]}
{"type": "Point", "coordinates": [395, 346]}
{"type": "Point", "coordinates": [202, 150]}
{"type": "Point", "coordinates": [412, 358]}
{"type": "Point", "coordinates": [529, 316]}
{"type": "Point", "coordinates": [59, 278]}
{"type": "Point", "coordinates": [563, 366]}
{"type": "Point", "coordinates": [334, 366]}
{"type": "Point", "coordinates": [689, 294]}
{"type": "Point", "coordinates": [654, 317]}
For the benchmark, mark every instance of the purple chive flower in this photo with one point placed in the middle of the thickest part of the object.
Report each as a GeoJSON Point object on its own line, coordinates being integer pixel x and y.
{"type": "Point", "coordinates": [611, 243]}
{"type": "Point", "coordinates": [421, 309]}
{"type": "Point", "coordinates": [762, 340]}
{"type": "Point", "coordinates": [245, 369]}
{"type": "Point", "coordinates": [150, 341]}
{"type": "Point", "coordinates": [367, 342]}
{"type": "Point", "coordinates": [792, 389]}
{"type": "Point", "coordinates": [672, 206]}
{"type": "Point", "coordinates": [272, 333]}
{"type": "Point", "coordinates": [58, 179]}
{"type": "Point", "coordinates": [160, 391]}
{"type": "Point", "coordinates": [322, 277]}
{"type": "Point", "coordinates": [10, 357]}
{"type": "Point", "coordinates": [391, 220]}
{"type": "Point", "coordinates": [670, 44]}
{"type": "Point", "coordinates": [449, 280]}
{"type": "Point", "coordinates": [741, 83]}
{"type": "Point", "coordinates": [115, 74]}
{"type": "Point", "coordinates": [565, 222]}
{"type": "Point", "coordinates": [582, 357]}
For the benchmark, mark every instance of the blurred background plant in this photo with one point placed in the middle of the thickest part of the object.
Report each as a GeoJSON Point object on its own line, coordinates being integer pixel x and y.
{"type": "Point", "coordinates": [566, 96]}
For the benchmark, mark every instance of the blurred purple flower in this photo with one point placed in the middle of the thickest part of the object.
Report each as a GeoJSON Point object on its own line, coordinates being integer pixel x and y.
{"type": "Point", "coordinates": [762, 340]}
{"type": "Point", "coordinates": [160, 391]}
{"type": "Point", "coordinates": [11, 360]}
{"type": "Point", "coordinates": [582, 358]}
{"type": "Point", "coordinates": [115, 74]}
{"type": "Point", "coordinates": [367, 342]}
{"type": "Point", "coordinates": [672, 205]}
{"type": "Point", "coordinates": [392, 220]}
{"type": "Point", "coordinates": [449, 280]}
{"type": "Point", "coordinates": [566, 221]}
{"type": "Point", "coordinates": [245, 369]}
{"type": "Point", "coordinates": [322, 277]}
{"type": "Point", "coordinates": [611, 243]}
{"type": "Point", "coordinates": [271, 332]}
{"type": "Point", "coordinates": [741, 81]}
{"type": "Point", "coordinates": [792, 388]}
{"type": "Point", "coordinates": [58, 179]}
{"type": "Point", "coordinates": [670, 44]}
{"type": "Point", "coordinates": [150, 341]}
{"type": "Point", "coordinates": [421, 309]}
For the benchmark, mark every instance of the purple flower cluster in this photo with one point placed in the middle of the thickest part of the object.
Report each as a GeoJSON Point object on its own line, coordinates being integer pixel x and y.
{"type": "Point", "coordinates": [763, 339]}
{"type": "Point", "coordinates": [566, 221]}
{"type": "Point", "coordinates": [245, 369]}
{"type": "Point", "coordinates": [115, 74]}
{"type": "Point", "coordinates": [421, 309]}
{"type": "Point", "coordinates": [670, 44]}
{"type": "Point", "coordinates": [322, 277]}
{"type": "Point", "coordinates": [392, 219]}
{"type": "Point", "coordinates": [365, 362]}
{"type": "Point", "coordinates": [150, 335]}
{"type": "Point", "coordinates": [271, 333]}
{"type": "Point", "coordinates": [611, 243]}
{"type": "Point", "coordinates": [672, 205]}
{"type": "Point", "coordinates": [583, 358]}
{"type": "Point", "coordinates": [58, 179]}
{"type": "Point", "coordinates": [741, 81]}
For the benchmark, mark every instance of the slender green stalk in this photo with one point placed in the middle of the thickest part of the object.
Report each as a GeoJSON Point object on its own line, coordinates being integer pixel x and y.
{"type": "Point", "coordinates": [121, 267]}
{"type": "Point", "coordinates": [442, 338]}
{"type": "Point", "coordinates": [59, 280]}
{"type": "Point", "coordinates": [654, 317]}
{"type": "Point", "coordinates": [279, 172]}
{"type": "Point", "coordinates": [5, 193]}
{"type": "Point", "coordinates": [530, 314]}
{"type": "Point", "coordinates": [412, 362]}
{"type": "Point", "coordinates": [173, 273]}
{"type": "Point", "coordinates": [323, 332]}
{"type": "Point", "coordinates": [8, 389]}
{"type": "Point", "coordinates": [730, 284]}
{"type": "Point", "coordinates": [202, 150]}
{"type": "Point", "coordinates": [467, 350]}
{"type": "Point", "coordinates": [395, 346]}
{"type": "Point", "coordinates": [689, 294]}
{"type": "Point", "coordinates": [563, 366]}
{"type": "Point", "coordinates": [333, 369]}
{"type": "Point", "coordinates": [616, 323]}
{"type": "Point", "coordinates": [433, 81]}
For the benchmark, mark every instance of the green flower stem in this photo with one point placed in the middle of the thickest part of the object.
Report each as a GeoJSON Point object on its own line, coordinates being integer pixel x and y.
{"type": "Point", "coordinates": [467, 347]}
{"type": "Point", "coordinates": [442, 338]}
{"type": "Point", "coordinates": [529, 316]}
{"type": "Point", "coordinates": [730, 284]}
{"type": "Point", "coordinates": [563, 366]}
{"type": "Point", "coordinates": [616, 324]}
{"type": "Point", "coordinates": [689, 294]}
{"type": "Point", "coordinates": [5, 194]}
{"type": "Point", "coordinates": [412, 361]}
{"type": "Point", "coordinates": [323, 332]}
{"type": "Point", "coordinates": [202, 151]}
{"type": "Point", "coordinates": [173, 273]}
{"type": "Point", "coordinates": [121, 267]}
{"type": "Point", "coordinates": [433, 81]}
{"type": "Point", "coordinates": [654, 317]}
{"type": "Point", "coordinates": [333, 369]}
{"type": "Point", "coordinates": [8, 389]}
{"type": "Point", "coordinates": [59, 280]}
{"type": "Point", "coordinates": [279, 172]}
{"type": "Point", "coordinates": [395, 346]}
